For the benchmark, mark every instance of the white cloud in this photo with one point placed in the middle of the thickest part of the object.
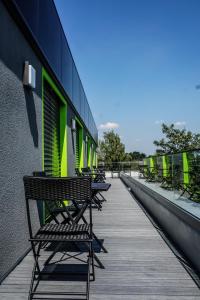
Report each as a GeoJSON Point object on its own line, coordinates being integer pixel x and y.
{"type": "Point", "coordinates": [159, 122]}
{"type": "Point", "coordinates": [109, 125]}
{"type": "Point", "coordinates": [180, 123]}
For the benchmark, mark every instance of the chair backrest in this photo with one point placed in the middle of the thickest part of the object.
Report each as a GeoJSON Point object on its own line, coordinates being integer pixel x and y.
{"type": "Point", "coordinates": [39, 173]}
{"type": "Point", "coordinates": [77, 172]}
{"type": "Point", "coordinates": [50, 205]}
{"type": "Point", "coordinates": [57, 189]}
{"type": "Point", "coordinates": [86, 169]}
{"type": "Point", "coordinates": [53, 189]}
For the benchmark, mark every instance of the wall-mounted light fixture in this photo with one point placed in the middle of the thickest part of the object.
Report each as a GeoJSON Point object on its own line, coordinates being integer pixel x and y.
{"type": "Point", "coordinates": [29, 78]}
{"type": "Point", "coordinates": [73, 125]}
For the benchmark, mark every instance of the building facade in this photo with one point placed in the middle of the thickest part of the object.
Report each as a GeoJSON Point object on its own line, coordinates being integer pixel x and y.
{"type": "Point", "coordinates": [49, 127]}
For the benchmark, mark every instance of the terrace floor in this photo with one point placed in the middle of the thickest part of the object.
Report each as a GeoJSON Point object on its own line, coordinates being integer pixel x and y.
{"type": "Point", "coordinates": [139, 265]}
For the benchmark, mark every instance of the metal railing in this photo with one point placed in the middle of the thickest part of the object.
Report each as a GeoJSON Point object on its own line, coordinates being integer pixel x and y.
{"type": "Point", "coordinates": [178, 172]}
{"type": "Point", "coordinates": [122, 166]}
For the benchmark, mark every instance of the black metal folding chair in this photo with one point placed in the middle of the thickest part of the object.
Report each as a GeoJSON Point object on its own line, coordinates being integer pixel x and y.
{"type": "Point", "coordinates": [77, 172]}
{"type": "Point", "coordinates": [192, 188]}
{"type": "Point", "coordinates": [95, 177]}
{"type": "Point", "coordinates": [60, 214]}
{"type": "Point", "coordinates": [59, 189]}
{"type": "Point", "coordinates": [167, 180]}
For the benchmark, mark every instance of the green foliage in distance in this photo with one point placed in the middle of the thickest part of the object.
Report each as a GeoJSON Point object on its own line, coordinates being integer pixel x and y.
{"type": "Point", "coordinates": [177, 140]}
{"type": "Point", "coordinates": [136, 155]}
{"type": "Point", "coordinates": [110, 148]}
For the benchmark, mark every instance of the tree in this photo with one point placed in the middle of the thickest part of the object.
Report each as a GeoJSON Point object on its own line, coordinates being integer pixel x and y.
{"type": "Point", "coordinates": [127, 157]}
{"type": "Point", "coordinates": [136, 155]}
{"type": "Point", "coordinates": [177, 140]}
{"type": "Point", "coordinates": [110, 148]}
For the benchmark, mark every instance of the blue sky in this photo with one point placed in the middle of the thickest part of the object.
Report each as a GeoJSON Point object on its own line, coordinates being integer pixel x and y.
{"type": "Point", "coordinates": [139, 61]}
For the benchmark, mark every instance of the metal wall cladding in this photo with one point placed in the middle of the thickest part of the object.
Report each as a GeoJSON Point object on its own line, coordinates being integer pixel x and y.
{"type": "Point", "coordinates": [49, 35]}
{"type": "Point", "coordinates": [82, 102]}
{"type": "Point", "coordinates": [86, 113]}
{"type": "Point", "coordinates": [76, 89]}
{"type": "Point", "coordinates": [29, 10]}
{"type": "Point", "coordinates": [66, 66]}
{"type": "Point", "coordinates": [43, 21]}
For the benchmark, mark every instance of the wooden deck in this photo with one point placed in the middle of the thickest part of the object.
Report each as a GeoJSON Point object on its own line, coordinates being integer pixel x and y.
{"type": "Point", "coordinates": [139, 265]}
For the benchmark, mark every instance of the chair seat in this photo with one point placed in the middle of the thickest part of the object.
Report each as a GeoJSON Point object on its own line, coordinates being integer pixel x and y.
{"type": "Point", "coordinates": [63, 232]}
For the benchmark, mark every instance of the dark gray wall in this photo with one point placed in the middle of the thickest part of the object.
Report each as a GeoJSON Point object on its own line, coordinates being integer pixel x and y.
{"type": "Point", "coordinates": [20, 142]}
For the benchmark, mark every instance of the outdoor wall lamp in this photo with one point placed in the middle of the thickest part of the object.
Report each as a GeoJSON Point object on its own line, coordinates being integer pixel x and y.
{"type": "Point", "coordinates": [29, 78]}
{"type": "Point", "coordinates": [73, 125]}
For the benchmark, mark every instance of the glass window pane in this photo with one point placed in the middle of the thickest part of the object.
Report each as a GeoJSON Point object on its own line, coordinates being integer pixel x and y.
{"type": "Point", "coordinates": [49, 34]}
{"type": "Point", "coordinates": [29, 10]}
{"type": "Point", "coordinates": [66, 67]}
{"type": "Point", "coordinates": [75, 90]}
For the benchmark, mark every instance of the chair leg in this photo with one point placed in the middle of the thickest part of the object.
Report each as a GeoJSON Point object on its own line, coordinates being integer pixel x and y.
{"type": "Point", "coordinates": [36, 267]}
{"type": "Point", "coordinates": [103, 198]}
{"type": "Point", "coordinates": [98, 262]}
{"type": "Point", "coordinates": [32, 282]}
{"type": "Point", "coordinates": [97, 203]}
{"type": "Point", "coordinates": [100, 244]}
{"type": "Point", "coordinates": [36, 254]}
{"type": "Point", "coordinates": [88, 280]}
{"type": "Point", "coordinates": [183, 192]}
{"type": "Point", "coordinates": [92, 261]}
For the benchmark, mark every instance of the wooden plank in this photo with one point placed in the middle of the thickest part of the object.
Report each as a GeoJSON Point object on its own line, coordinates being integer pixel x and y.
{"type": "Point", "coordinates": [138, 266]}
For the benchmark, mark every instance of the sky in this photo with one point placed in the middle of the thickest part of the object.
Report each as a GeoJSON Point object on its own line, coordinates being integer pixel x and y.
{"type": "Point", "coordinates": [139, 62]}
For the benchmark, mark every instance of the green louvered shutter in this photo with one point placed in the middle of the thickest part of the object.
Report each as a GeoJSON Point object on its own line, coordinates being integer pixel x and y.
{"type": "Point", "coordinates": [51, 132]}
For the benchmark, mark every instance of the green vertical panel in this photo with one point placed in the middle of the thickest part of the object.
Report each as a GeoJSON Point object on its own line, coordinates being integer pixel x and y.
{"type": "Point", "coordinates": [41, 204]}
{"type": "Point", "coordinates": [63, 140]}
{"type": "Point", "coordinates": [81, 148]}
{"type": "Point", "coordinates": [79, 145]}
{"type": "Point", "coordinates": [169, 161]}
{"type": "Point", "coordinates": [94, 157]}
{"type": "Point", "coordinates": [92, 154]}
{"type": "Point", "coordinates": [54, 129]}
{"type": "Point", "coordinates": [151, 161]}
{"type": "Point", "coordinates": [185, 169]}
{"type": "Point", "coordinates": [89, 153]}
{"type": "Point", "coordinates": [164, 163]}
{"type": "Point", "coordinates": [77, 149]}
{"type": "Point", "coordinates": [145, 161]}
{"type": "Point", "coordinates": [63, 122]}
{"type": "Point", "coordinates": [96, 162]}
